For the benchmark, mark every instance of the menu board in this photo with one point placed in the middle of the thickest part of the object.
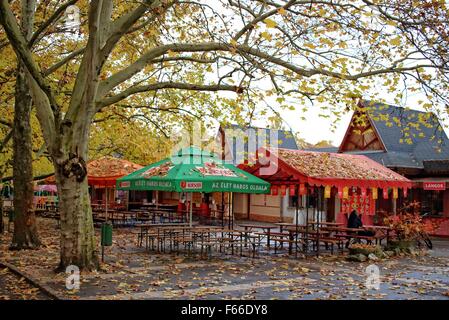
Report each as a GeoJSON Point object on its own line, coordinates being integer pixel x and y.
{"type": "Point", "coordinates": [364, 205]}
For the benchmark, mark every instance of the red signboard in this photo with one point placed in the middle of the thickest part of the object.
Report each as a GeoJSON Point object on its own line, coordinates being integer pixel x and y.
{"type": "Point", "coordinates": [292, 190]}
{"type": "Point", "coordinates": [302, 189]}
{"type": "Point", "coordinates": [434, 185]}
{"type": "Point", "coordinates": [191, 185]}
{"type": "Point", "coordinates": [283, 190]}
{"type": "Point", "coordinates": [125, 184]}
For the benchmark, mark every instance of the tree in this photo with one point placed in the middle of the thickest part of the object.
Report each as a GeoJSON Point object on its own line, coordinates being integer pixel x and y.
{"type": "Point", "coordinates": [6, 134]}
{"type": "Point", "coordinates": [301, 142]}
{"type": "Point", "coordinates": [130, 135]}
{"type": "Point", "coordinates": [323, 144]}
{"type": "Point", "coordinates": [25, 230]}
{"type": "Point", "coordinates": [305, 50]}
{"type": "Point", "coordinates": [22, 125]}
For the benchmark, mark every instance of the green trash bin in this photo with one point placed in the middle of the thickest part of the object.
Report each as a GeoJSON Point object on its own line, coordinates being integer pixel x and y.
{"type": "Point", "coordinates": [106, 234]}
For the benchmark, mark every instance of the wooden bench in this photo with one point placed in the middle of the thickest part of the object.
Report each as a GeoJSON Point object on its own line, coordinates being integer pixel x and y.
{"type": "Point", "coordinates": [281, 239]}
{"type": "Point", "coordinates": [369, 239]}
{"type": "Point", "coordinates": [328, 241]}
{"type": "Point", "coordinates": [187, 241]}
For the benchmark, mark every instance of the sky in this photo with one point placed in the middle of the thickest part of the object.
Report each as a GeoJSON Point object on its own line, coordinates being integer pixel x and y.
{"type": "Point", "coordinates": [315, 128]}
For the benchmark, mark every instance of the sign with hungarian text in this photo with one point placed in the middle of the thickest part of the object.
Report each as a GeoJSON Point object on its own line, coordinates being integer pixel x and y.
{"type": "Point", "coordinates": [191, 185]}
{"type": "Point", "coordinates": [434, 185]}
{"type": "Point", "coordinates": [239, 187]}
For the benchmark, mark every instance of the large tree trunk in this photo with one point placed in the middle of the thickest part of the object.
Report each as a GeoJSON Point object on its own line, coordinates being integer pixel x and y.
{"type": "Point", "coordinates": [77, 230]}
{"type": "Point", "coordinates": [25, 230]}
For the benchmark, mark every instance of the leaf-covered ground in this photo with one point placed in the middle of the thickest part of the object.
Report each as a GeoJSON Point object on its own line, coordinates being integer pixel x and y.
{"type": "Point", "coordinates": [131, 273]}
{"type": "Point", "coordinates": [14, 287]}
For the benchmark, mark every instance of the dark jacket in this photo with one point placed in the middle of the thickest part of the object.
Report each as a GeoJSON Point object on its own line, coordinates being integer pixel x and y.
{"type": "Point", "coordinates": [354, 221]}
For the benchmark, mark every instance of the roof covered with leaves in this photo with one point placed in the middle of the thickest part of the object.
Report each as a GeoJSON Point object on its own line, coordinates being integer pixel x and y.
{"type": "Point", "coordinates": [111, 167]}
{"type": "Point", "coordinates": [337, 166]}
{"type": "Point", "coordinates": [105, 170]}
{"type": "Point", "coordinates": [410, 136]}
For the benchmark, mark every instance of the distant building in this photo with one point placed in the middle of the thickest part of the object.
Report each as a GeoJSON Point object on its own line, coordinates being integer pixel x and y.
{"type": "Point", "coordinates": [238, 144]}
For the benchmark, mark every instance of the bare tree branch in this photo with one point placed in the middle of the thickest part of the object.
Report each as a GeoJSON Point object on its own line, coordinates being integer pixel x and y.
{"type": "Point", "coordinates": [63, 61]}
{"type": "Point", "coordinates": [54, 17]}
{"type": "Point", "coordinates": [6, 140]}
{"type": "Point", "coordinates": [6, 123]}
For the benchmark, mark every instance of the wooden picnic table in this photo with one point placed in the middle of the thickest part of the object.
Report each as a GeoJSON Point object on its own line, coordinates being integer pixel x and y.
{"type": "Point", "coordinates": [353, 232]}
{"type": "Point", "coordinates": [245, 238]}
{"type": "Point", "coordinates": [325, 223]}
{"type": "Point", "coordinates": [145, 227]}
{"type": "Point", "coordinates": [343, 229]}
{"type": "Point", "coordinates": [384, 229]}
{"type": "Point", "coordinates": [156, 225]}
{"type": "Point", "coordinates": [283, 225]}
{"type": "Point", "coordinates": [266, 228]}
{"type": "Point", "coordinates": [365, 227]}
{"type": "Point", "coordinates": [302, 230]}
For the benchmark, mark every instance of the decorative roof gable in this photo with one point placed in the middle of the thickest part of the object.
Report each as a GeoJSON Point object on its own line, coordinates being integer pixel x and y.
{"type": "Point", "coordinates": [403, 137]}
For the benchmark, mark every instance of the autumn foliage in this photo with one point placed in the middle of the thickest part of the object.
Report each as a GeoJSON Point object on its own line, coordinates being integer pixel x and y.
{"type": "Point", "coordinates": [409, 224]}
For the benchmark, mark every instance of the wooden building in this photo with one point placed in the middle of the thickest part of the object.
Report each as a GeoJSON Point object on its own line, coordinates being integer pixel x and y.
{"type": "Point", "coordinates": [327, 185]}
{"type": "Point", "coordinates": [409, 142]}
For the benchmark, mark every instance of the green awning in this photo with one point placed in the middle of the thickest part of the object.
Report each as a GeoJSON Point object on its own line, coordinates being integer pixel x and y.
{"type": "Point", "coordinates": [193, 170]}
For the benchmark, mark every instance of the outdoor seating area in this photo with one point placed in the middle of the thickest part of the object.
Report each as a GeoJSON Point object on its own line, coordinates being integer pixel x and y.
{"type": "Point", "coordinates": [137, 216]}
{"type": "Point", "coordinates": [252, 240]}
{"type": "Point", "coordinates": [191, 224]}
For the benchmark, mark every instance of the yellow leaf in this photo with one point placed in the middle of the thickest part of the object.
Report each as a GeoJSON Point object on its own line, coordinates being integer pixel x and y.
{"type": "Point", "coordinates": [282, 11]}
{"type": "Point", "coordinates": [233, 43]}
{"type": "Point", "coordinates": [391, 23]}
{"type": "Point", "coordinates": [270, 23]}
{"type": "Point", "coordinates": [266, 35]}
{"type": "Point", "coordinates": [396, 41]}
{"type": "Point", "coordinates": [309, 45]}
{"type": "Point", "coordinates": [342, 44]}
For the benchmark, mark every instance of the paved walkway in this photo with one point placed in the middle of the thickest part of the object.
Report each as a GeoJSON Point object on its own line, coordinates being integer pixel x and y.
{"type": "Point", "coordinates": [425, 277]}
{"type": "Point", "coordinates": [131, 273]}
